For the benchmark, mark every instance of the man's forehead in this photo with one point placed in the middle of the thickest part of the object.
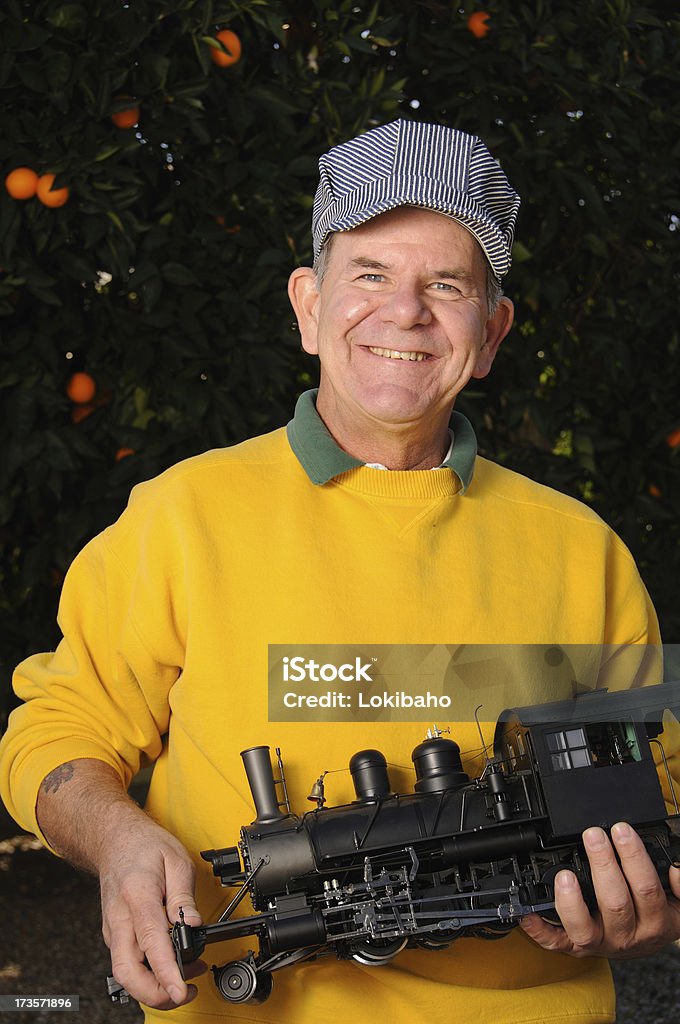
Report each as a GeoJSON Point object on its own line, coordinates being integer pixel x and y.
{"type": "Point", "coordinates": [382, 239]}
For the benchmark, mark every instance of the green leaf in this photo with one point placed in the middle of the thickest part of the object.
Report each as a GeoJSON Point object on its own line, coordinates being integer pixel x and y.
{"type": "Point", "coordinates": [78, 266]}
{"type": "Point", "coordinates": [58, 68]}
{"type": "Point", "coordinates": [175, 273]}
{"type": "Point", "coordinates": [151, 292]}
{"type": "Point", "coordinates": [106, 152]}
{"type": "Point", "coordinates": [115, 219]}
{"type": "Point", "coordinates": [71, 17]}
{"type": "Point", "coordinates": [520, 253]}
{"type": "Point", "coordinates": [31, 37]}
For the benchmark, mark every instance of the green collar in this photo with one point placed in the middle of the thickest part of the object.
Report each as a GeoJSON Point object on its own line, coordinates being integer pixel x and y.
{"type": "Point", "coordinates": [323, 459]}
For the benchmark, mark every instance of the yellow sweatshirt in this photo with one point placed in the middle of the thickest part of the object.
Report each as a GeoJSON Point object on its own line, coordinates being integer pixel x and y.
{"type": "Point", "coordinates": [167, 617]}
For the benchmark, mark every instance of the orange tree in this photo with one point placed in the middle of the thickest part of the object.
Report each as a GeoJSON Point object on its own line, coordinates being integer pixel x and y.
{"type": "Point", "coordinates": [161, 274]}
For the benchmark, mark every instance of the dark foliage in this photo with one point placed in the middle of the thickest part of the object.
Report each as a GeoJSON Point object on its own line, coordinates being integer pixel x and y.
{"type": "Point", "coordinates": [164, 275]}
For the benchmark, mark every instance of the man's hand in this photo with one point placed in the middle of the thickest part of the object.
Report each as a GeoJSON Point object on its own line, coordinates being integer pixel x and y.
{"type": "Point", "coordinates": [145, 878]}
{"type": "Point", "coordinates": [634, 916]}
{"type": "Point", "coordinates": [145, 875]}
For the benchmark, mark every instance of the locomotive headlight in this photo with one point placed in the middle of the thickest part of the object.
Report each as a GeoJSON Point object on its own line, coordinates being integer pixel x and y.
{"type": "Point", "coordinates": [226, 864]}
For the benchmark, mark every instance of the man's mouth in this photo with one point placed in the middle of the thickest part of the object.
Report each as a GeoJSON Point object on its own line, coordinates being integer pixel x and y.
{"type": "Point", "coordinates": [390, 353]}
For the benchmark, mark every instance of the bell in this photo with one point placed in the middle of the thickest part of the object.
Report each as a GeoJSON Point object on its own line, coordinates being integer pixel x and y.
{"type": "Point", "coordinates": [317, 794]}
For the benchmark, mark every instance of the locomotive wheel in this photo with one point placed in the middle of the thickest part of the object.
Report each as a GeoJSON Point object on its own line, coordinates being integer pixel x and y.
{"type": "Point", "coordinates": [239, 982]}
{"type": "Point", "coordinates": [440, 938]}
{"type": "Point", "coordinates": [376, 952]}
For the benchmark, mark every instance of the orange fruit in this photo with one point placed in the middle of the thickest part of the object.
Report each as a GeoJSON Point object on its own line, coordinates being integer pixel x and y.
{"type": "Point", "coordinates": [81, 412]}
{"type": "Point", "coordinates": [47, 196]}
{"type": "Point", "coordinates": [21, 183]}
{"type": "Point", "coordinates": [478, 24]}
{"type": "Point", "coordinates": [81, 388]}
{"type": "Point", "coordinates": [126, 118]}
{"type": "Point", "coordinates": [123, 453]}
{"type": "Point", "coordinates": [654, 491]}
{"type": "Point", "coordinates": [231, 43]}
{"type": "Point", "coordinates": [673, 439]}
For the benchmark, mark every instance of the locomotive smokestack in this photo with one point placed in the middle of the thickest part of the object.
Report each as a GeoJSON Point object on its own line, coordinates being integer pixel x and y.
{"type": "Point", "coordinates": [261, 780]}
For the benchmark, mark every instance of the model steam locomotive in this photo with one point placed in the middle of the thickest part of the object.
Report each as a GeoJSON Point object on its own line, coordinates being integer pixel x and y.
{"type": "Point", "coordinates": [456, 857]}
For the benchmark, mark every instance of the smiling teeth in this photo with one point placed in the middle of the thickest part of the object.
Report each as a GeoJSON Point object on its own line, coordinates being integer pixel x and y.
{"type": "Point", "coordinates": [390, 353]}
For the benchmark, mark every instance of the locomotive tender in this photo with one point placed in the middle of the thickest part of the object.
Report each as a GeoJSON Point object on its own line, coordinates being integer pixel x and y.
{"type": "Point", "coordinates": [456, 857]}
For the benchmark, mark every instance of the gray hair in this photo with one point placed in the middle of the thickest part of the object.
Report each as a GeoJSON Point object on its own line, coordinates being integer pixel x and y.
{"type": "Point", "coordinates": [494, 291]}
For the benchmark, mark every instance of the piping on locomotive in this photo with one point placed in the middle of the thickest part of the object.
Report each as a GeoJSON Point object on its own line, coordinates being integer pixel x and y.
{"type": "Point", "coordinates": [456, 857]}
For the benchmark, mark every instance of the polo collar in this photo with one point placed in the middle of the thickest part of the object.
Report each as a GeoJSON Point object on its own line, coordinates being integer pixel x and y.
{"type": "Point", "coordinates": [323, 459]}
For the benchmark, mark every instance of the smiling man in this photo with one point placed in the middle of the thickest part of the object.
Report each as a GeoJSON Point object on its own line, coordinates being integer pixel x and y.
{"type": "Point", "coordinates": [400, 323]}
{"type": "Point", "coordinates": [404, 304]}
{"type": "Point", "coordinates": [369, 520]}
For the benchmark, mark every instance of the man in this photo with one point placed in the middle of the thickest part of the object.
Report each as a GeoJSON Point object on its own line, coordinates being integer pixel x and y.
{"type": "Point", "coordinates": [370, 520]}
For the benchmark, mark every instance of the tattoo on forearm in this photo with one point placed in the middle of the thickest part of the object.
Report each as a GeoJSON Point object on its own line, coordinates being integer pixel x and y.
{"type": "Point", "coordinates": [53, 781]}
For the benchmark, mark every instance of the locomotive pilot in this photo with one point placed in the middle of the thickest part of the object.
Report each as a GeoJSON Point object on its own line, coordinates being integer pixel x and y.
{"type": "Point", "coordinates": [370, 519]}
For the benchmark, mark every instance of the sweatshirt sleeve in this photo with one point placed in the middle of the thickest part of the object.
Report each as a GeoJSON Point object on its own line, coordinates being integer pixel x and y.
{"type": "Point", "coordinates": [104, 692]}
{"type": "Point", "coordinates": [630, 614]}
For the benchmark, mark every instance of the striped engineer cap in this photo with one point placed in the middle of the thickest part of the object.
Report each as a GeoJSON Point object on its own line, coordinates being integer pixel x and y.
{"type": "Point", "coordinates": [408, 163]}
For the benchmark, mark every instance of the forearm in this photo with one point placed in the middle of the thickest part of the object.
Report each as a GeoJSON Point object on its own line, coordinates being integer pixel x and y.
{"type": "Point", "coordinates": [145, 875]}
{"type": "Point", "coordinates": [80, 804]}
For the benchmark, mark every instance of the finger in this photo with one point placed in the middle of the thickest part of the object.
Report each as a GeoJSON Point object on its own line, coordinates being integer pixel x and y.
{"type": "Point", "coordinates": [648, 896]}
{"type": "Point", "coordinates": [153, 939]}
{"type": "Point", "coordinates": [129, 969]}
{"type": "Point", "coordinates": [142, 897]}
{"type": "Point", "coordinates": [180, 877]}
{"type": "Point", "coordinates": [674, 881]}
{"type": "Point", "coordinates": [142, 985]}
{"type": "Point", "coordinates": [613, 895]}
{"type": "Point", "coordinates": [547, 935]}
{"type": "Point", "coordinates": [584, 930]}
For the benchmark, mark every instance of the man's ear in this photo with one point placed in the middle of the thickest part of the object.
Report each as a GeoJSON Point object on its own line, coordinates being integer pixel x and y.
{"type": "Point", "coordinates": [304, 298]}
{"type": "Point", "coordinates": [497, 327]}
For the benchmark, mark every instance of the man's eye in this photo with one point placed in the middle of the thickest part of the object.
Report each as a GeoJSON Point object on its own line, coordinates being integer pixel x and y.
{"type": "Point", "coordinates": [444, 286]}
{"type": "Point", "coordinates": [371, 277]}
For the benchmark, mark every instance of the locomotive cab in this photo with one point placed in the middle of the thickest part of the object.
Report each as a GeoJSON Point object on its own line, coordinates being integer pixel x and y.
{"type": "Point", "coordinates": [592, 758]}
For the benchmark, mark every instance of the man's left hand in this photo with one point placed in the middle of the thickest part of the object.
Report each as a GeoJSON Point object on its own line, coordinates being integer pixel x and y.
{"type": "Point", "coordinates": [635, 917]}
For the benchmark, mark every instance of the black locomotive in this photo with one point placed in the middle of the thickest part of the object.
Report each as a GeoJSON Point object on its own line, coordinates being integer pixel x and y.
{"type": "Point", "coordinates": [456, 857]}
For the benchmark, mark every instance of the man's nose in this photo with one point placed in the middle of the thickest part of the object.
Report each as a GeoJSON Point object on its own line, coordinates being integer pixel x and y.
{"type": "Point", "coordinates": [406, 307]}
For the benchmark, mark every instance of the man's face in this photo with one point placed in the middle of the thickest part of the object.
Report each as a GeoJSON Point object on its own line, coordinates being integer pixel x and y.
{"type": "Point", "coordinates": [400, 321]}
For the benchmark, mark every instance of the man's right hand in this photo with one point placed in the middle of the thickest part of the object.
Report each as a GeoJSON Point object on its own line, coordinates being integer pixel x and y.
{"type": "Point", "coordinates": [145, 876]}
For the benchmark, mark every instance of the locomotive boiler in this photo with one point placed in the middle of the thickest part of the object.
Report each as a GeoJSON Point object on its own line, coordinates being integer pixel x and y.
{"type": "Point", "coordinates": [455, 857]}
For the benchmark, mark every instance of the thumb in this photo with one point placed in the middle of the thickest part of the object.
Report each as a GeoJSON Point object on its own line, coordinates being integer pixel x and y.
{"type": "Point", "coordinates": [674, 880]}
{"type": "Point", "coordinates": [180, 876]}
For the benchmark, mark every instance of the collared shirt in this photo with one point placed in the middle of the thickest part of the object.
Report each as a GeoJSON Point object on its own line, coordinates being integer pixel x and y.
{"type": "Point", "coordinates": [442, 464]}
{"type": "Point", "coordinates": [322, 458]}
